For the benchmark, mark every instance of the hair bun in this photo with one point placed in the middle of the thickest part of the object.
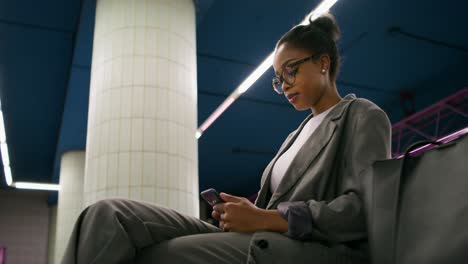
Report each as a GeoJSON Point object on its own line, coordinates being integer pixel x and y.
{"type": "Point", "coordinates": [327, 23]}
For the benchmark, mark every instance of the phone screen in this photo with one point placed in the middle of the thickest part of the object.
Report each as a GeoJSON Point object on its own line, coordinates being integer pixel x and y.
{"type": "Point", "coordinates": [211, 196]}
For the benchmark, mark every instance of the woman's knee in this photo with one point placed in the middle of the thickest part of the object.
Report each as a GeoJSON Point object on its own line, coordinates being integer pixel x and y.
{"type": "Point", "coordinates": [103, 210]}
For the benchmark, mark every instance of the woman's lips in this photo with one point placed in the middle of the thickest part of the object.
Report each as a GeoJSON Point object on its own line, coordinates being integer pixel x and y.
{"type": "Point", "coordinates": [293, 97]}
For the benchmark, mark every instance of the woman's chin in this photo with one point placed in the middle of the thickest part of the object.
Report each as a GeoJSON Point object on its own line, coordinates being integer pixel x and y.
{"type": "Point", "coordinates": [300, 107]}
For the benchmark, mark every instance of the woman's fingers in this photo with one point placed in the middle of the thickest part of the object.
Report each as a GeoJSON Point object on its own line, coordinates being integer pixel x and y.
{"type": "Point", "coordinates": [215, 215]}
{"type": "Point", "coordinates": [226, 227]}
{"type": "Point", "coordinates": [219, 208]}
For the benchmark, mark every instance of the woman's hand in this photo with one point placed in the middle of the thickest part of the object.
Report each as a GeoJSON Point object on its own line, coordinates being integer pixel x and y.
{"type": "Point", "coordinates": [238, 214]}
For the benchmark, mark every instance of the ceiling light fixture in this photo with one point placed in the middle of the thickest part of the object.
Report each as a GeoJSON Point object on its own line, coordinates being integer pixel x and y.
{"type": "Point", "coordinates": [4, 151]}
{"type": "Point", "coordinates": [7, 168]}
{"type": "Point", "coordinates": [36, 186]}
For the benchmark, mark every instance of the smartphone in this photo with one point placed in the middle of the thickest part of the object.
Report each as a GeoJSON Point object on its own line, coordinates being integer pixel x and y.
{"type": "Point", "coordinates": [211, 196]}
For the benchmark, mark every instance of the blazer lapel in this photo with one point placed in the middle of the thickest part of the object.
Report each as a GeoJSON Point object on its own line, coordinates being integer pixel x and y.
{"type": "Point", "coordinates": [308, 152]}
{"type": "Point", "coordinates": [265, 185]}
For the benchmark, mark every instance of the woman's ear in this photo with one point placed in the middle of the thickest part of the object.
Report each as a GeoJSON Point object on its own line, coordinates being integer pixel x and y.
{"type": "Point", "coordinates": [324, 63]}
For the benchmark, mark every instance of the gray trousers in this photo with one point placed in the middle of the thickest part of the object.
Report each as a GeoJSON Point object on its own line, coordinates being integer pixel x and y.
{"type": "Point", "coordinates": [125, 231]}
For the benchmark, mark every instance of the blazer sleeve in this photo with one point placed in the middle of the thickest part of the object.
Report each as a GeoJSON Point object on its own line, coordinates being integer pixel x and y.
{"type": "Point", "coordinates": [343, 219]}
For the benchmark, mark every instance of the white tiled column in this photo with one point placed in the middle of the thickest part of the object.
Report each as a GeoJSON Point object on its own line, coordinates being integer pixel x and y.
{"type": "Point", "coordinates": [70, 202]}
{"type": "Point", "coordinates": [142, 116]}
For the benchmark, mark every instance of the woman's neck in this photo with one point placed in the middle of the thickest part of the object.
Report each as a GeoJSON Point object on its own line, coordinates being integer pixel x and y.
{"type": "Point", "coordinates": [330, 98]}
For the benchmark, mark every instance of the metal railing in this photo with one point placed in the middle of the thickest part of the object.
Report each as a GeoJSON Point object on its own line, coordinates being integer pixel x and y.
{"type": "Point", "coordinates": [432, 123]}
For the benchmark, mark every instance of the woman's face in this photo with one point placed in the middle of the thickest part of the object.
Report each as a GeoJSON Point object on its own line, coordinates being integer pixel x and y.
{"type": "Point", "coordinates": [309, 82]}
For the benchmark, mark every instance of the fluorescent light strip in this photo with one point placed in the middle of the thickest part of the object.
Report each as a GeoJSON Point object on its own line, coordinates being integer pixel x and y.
{"type": "Point", "coordinates": [216, 114]}
{"type": "Point", "coordinates": [37, 186]}
{"type": "Point", "coordinates": [197, 134]}
{"type": "Point", "coordinates": [5, 156]}
{"type": "Point", "coordinates": [2, 129]}
{"type": "Point", "coordinates": [4, 151]}
{"type": "Point", "coordinates": [7, 172]}
{"type": "Point", "coordinates": [259, 71]}
{"type": "Point", "coordinates": [7, 168]}
{"type": "Point", "coordinates": [319, 10]}
{"type": "Point", "coordinates": [253, 77]}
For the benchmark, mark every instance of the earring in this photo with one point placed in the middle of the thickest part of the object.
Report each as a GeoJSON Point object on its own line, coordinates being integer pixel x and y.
{"type": "Point", "coordinates": [323, 70]}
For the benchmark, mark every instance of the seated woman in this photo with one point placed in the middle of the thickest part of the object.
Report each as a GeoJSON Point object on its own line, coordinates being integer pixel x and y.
{"type": "Point", "coordinates": [308, 209]}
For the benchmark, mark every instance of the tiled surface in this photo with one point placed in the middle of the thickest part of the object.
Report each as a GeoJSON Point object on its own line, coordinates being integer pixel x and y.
{"type": "Point", "coordinates": [24, 226]}
{"type": "Point", "coordinates": [70, 203]}
{"type": "Point", "coordinates": [143, 105]}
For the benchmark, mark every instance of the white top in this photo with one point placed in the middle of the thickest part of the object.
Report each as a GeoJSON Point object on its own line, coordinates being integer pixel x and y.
{"type": "Point", "coordinates": [283, 162]}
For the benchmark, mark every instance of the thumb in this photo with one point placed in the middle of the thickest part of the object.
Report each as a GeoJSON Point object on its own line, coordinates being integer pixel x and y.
{"type": "Point", "coordinates": [230, 198]}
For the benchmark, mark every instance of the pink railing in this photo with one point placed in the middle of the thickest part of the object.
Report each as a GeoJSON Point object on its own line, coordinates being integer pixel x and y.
{"type": "Point", "coordinates": [432, 123]}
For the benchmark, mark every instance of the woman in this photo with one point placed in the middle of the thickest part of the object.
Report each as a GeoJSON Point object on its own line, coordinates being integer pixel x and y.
{"type": "Point", "coordinates": [308, 208]}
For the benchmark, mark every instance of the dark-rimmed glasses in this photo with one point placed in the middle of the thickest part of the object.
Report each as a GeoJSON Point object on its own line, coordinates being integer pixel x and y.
{"type": "Point", "coordinates": [288, 74]}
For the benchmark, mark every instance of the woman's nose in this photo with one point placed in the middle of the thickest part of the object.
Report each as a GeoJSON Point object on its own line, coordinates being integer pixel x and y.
{"type": "Point", "coordinates": [285, 86]}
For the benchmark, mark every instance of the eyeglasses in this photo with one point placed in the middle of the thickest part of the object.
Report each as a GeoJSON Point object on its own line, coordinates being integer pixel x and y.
{"type": "Point", "coordinates": [288, 74]}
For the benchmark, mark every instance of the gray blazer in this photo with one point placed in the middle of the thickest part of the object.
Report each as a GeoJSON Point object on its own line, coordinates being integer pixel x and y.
{"type": "Point", "coordinates": [322, 184]}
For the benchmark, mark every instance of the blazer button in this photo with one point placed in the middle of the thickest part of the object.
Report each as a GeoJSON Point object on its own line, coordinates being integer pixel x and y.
{"type": "Point", "coordinates": [262, 243]}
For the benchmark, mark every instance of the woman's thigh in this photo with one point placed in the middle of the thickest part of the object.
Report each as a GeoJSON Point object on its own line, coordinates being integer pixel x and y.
{"type": "Point", "coordinates": [110, 231]}
{"type": "Point", "coordinates": [142, 222]}
{"type": "Point", "coordinates": [226, 247]}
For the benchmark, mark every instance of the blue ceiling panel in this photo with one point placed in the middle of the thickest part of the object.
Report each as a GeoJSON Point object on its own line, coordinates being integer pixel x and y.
{"type": "Point", "coordinates": [387, 47]}
{"type": "Point", "coordinates": [51, 15]}
{"type": "Point", "coordinates": [35, 71]}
